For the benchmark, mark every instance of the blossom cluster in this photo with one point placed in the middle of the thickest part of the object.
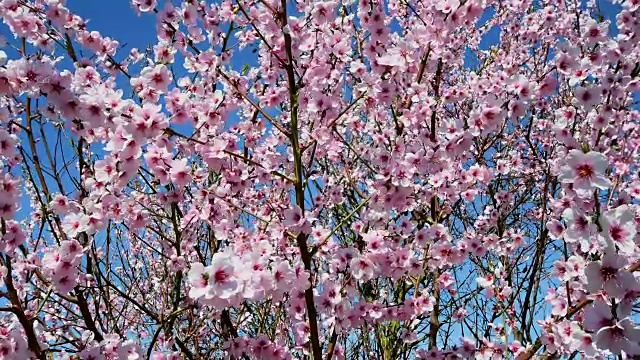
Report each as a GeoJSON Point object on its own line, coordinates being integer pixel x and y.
{"type": "Point", "coordinates": [345, 179]}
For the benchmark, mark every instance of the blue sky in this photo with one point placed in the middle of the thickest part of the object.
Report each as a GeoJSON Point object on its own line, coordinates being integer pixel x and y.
{"type": "Point", "coordinates": [118, 20]}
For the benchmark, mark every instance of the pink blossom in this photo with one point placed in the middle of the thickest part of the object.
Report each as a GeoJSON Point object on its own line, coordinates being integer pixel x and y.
{"type": "Point", "coordinates": [180, 172]}
{"type": "Point", "coordinates": [60, 204]}
{"type": "Point", "coordinates": [621, 336]}
{"type": "Point", "coordinates": [73, 224]}
{"type": "Point", "coordinates": [585, 171]}
{"type": "Point", "coordinates": [485, 281]}
{"type": "Point", "coordinates": [620, 227]}
{"type": "Point", "coordinates": [145, 5]}
{"type": "Point", "coordinates": [158, 77]}
{"type": "Point", "coordinates": [293, 217]}
{"type": "Point", "coordinates": [276, 180]}
{"type": "Point", "coordinates": [609, 274]}
{"type": "Point", "coordinates": [199, 278]}
{"type": "Point", "coordinates": [220, 280]}
{"type": "Point", "coordinates": [13, 238]}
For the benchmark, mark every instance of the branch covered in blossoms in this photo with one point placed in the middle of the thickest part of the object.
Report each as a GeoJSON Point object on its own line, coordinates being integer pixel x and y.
{"type": "Point", "coordinates": [275, 179]}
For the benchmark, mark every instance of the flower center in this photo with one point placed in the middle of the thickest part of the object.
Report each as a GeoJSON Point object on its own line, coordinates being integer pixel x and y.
{"type": "Point", "coordinates": [585, 171]}
{"type": "Point", "coordinates": [220, 276]}
{"type": "Point", "coordinates": [607, 273]}
{"type": "Point", "coordinates": [617, 233]}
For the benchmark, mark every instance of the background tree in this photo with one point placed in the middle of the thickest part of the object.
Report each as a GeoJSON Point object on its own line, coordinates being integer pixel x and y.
{"type": "Point", "coordinates": [321, 179]}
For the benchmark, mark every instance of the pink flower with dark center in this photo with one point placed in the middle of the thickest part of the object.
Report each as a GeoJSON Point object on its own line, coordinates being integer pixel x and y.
{"type": "Point", "coordinates": [73, 224]}
{"type": "Point", "coordinates": [585, 171]}
{"type": "Point", "coordinates": [157, 77]}
{"type": "Point", "coordinates": [619, 225]}
{"type": "Point", "coordinates": [293, 217]}
{"type": "Point", "coordinates": [609, 275]}
{"type": "Point", "coordinates": [180, 172]}
{"type": "Point", "coordinates": [199, 279]}
{"type": "Point", "coordinates": [620, 336]}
